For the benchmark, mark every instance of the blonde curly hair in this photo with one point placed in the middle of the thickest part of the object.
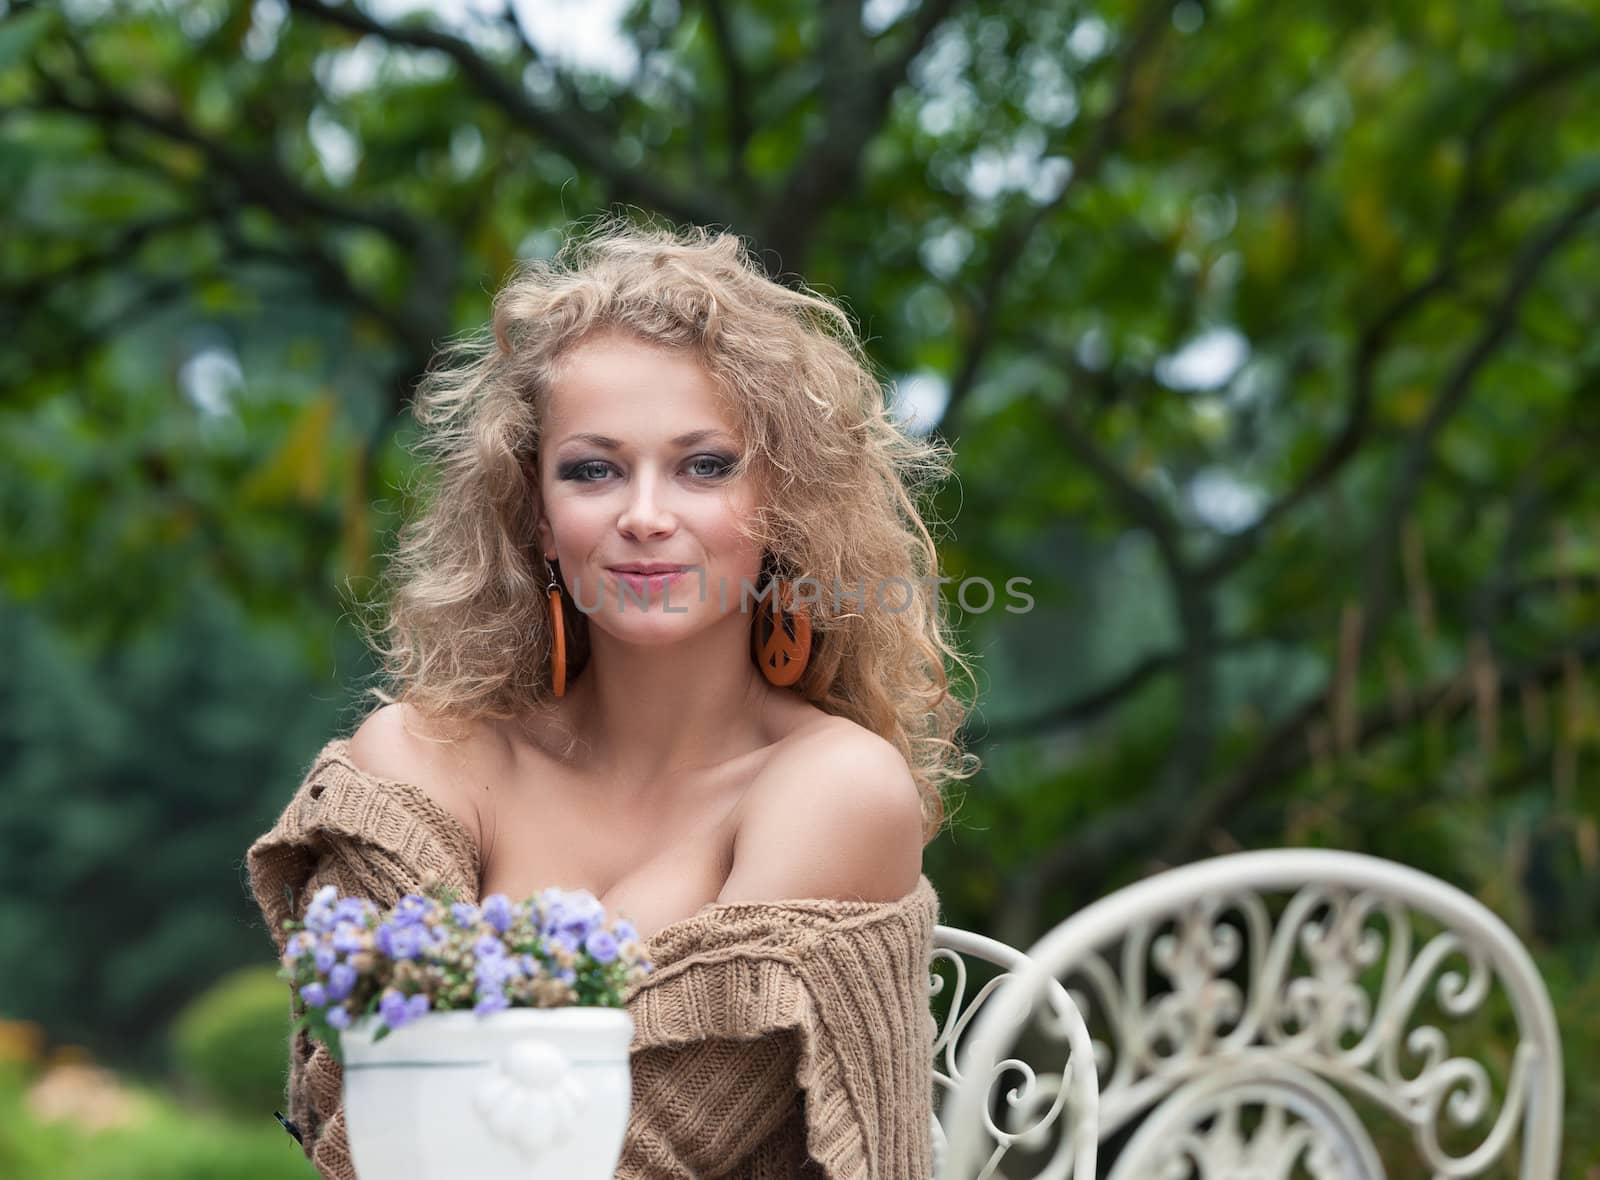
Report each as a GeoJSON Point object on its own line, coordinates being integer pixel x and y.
{"type": "Point", "coordinates": [467, 625]}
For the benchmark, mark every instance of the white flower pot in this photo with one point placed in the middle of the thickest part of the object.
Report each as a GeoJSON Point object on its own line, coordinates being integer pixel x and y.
{"type": "Point", "coordinates": [519, 1093]}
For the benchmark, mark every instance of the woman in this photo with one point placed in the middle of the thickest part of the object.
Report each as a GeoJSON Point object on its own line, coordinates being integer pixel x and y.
{"type": "Point", "coordinates": [664, 631]}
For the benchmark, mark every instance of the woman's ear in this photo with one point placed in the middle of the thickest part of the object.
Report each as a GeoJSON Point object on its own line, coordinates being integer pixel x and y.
{"type": "Point", "coordinates": [545, 537]}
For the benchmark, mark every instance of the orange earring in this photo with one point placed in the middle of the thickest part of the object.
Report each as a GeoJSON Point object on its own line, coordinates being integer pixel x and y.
{"type": "Point", "coordinates": [781, 640]}
{"type": "Point", "coordinates": [558, 642]}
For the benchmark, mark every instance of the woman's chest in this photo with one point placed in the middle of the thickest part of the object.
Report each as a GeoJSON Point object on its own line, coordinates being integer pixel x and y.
{"type": "Point", "coordinates": [653, 868]}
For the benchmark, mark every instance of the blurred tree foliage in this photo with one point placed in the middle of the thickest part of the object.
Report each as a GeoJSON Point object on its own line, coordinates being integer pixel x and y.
{"type": "Point", "coordinates": [1265, 333]}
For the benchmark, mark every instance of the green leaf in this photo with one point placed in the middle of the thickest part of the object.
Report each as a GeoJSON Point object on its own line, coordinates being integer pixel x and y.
{"type": "Point", "coordinates": [21, 32]}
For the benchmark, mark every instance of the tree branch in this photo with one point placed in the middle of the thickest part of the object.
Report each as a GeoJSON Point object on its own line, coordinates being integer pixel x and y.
{"type": "Point", "coordinates": [1543, 478]}
{"type": "Point", "coordinates": [260, 180]}
{"type": "Point", "coordinates": [1009, 244]}
{"type": "Point", "coordinates": [735, 86]}
{"type": "Point", "coordinates": [1083, 864]}
{"type": "Point", "coordinates": [1136, 504]}
{"type": "Point", "coordinates": [1286, 752]}
{"type": "Point", "coordinates": [116, 253]}
{"type": "Point", "coordinates": [586, 146]}
{"type": "Point", "coordinates": [855, 94]}
{"type": "Point", "coordinates": [1413, 463]}
{"type": "Point", "coordinates": [1101, 699]}
{"type": "Point", "coordinates": [306, 257]}
{"type": "Point", "coordinates": [1346, 443]}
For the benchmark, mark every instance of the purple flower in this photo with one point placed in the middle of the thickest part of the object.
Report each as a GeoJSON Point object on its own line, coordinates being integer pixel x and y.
{"type": "Point", "coordinates": [530, 967]}
{"type": "Point", "coordinates": [411, 909]}
{"type": "Point", "coordinates": [578, 917]}
{"type": "Point", "coordinates": [411, 941]}
{"type": "Point", "coordinates": [497, 911]}
{"type": "Point", "coordinates": [325, 957]}
{"type": "Point", "coordinates": [465, 914]}
{"type": "Point", "coordinates": [495, 971]}
{"type": "Point", "coordinates": [338, 1016]}
{"type": "Point", "coordinates": [341, 981]}
{"type": "Point", "coordinates": [314, 994]}
{"type": "Point", "coordinates": [624, 930]}
{"type": "Point", "coordinates": [351, 909]}
{"type": "Point", "coordinates": [576, 913]}
{"type": "Point", "coordinates": [586, 905]}
{"type": "Point", "coordinates": [347, 938]}
{"type": "Point", "coordinates": [319, 914]}
{"type": "Point", "coordinates": [552, 915]}
{"type": "Point", "coordinates": [398, 1010]}
{"type": "Point", "coordinates": [299, 943]}
{"type": "Point", "coordinates": [602, 945]}
{"type": "Point", "coordinates": [489, 947]}
{"type": "Point", "coordinates": [567, 975]}
{"type": "Point", "coordinates": [566, 940]}
{"type": "Point", "coordinates": [491, 1002]}
{"type": "Point", "coordinates": [401, 942]}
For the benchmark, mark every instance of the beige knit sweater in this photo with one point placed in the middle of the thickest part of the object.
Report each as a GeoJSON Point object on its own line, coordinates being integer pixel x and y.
{"type": "Point", "coordinates": [772, 1039]}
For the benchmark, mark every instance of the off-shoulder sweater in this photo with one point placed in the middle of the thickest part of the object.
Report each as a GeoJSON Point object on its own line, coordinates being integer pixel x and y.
{"type": "Point", "coordinates": [772, 1039]}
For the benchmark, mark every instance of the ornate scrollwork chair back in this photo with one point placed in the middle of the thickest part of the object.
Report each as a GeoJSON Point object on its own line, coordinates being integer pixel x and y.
{"type": "Point", "coordinates": [1244, 1008]}
{"type": "Point", "coordinates": [1049, 1111]}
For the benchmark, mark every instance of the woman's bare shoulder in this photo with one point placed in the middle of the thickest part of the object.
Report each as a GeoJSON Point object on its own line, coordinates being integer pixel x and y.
{"type": "Point", "coordinates": [398, 744]}
{"type": "Point", "coordinates": [835, 813]}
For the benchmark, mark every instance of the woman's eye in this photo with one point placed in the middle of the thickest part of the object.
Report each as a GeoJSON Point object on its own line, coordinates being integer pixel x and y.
{"type": "Point", "coordinates": [586, 472]}
{"type": "Point", "coordinates": [719, 465]}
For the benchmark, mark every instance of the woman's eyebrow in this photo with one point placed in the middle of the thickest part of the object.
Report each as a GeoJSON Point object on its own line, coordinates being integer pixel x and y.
{"type": "Point", "coordinates": [606, 443]}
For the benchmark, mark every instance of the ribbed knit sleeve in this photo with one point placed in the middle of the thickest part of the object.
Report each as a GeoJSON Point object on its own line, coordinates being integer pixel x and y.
{"type": "Point", "coordinates": [368, 838]}
{"type": "Point", "coordinates": [383, 839]}
{"type": "Point", "coordinates": [773, 1033]}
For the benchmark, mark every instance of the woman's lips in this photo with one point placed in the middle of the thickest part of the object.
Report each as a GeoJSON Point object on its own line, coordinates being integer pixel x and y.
{"type": "Point", "coordinates": [647, 584]}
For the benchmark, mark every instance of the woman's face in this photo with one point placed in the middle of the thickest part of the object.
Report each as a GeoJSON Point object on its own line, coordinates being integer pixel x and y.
{"type": "Point", "coordinates": [633, 465]}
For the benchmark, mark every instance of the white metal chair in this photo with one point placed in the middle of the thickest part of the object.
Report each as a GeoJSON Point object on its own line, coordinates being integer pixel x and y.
{"type": "Point", "coordinates": [1071, 1093]}
{"type": "Point", "coordinates": [1236, 1036]}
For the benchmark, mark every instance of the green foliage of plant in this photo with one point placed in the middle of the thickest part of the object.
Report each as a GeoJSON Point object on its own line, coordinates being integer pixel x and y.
{"type": "Point", "coordinates": [168, 1142]}
{"type": "Point", "coordinates": [231, 1043]}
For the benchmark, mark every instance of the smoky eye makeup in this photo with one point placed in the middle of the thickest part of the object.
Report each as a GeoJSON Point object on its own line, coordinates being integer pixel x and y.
{"type": "Point", "coordinates": [724, 463]}
{"type": "Point", "coordinates": [592, 470]}
{"type": "Point", "coordinates": [581, 470]}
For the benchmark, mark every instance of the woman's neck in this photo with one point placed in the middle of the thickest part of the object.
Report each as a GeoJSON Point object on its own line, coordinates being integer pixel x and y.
{"type": "Point", "coordinates": [643, 714]}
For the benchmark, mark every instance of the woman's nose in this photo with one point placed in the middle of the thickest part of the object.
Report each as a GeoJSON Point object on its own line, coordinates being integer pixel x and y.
{"type": "Point", "coordinates": [644, 515]}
